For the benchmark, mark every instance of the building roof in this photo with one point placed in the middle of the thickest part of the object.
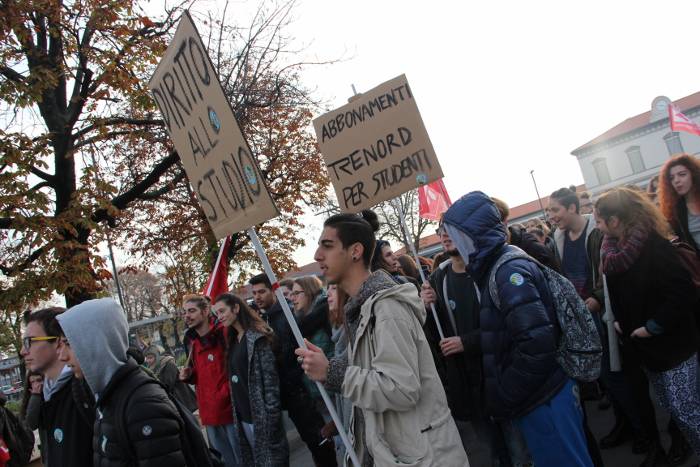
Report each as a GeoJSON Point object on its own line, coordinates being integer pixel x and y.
{"type": "Point", "coordinates": [534, 206]}
{"type": "Point", "coordinates": [639, 121]}
{"type": "Point", "coordinates": [423, 243]}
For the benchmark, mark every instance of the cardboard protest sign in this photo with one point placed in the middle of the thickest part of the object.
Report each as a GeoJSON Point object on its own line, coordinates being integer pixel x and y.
{"type": "Point", "coordinates": [200, 121]}
{"type": "Point", "coordinates": [376, 147]}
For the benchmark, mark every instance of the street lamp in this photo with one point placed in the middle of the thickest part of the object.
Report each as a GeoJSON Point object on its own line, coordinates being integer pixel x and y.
{"type": "Point", "coordinates": [532, 174]}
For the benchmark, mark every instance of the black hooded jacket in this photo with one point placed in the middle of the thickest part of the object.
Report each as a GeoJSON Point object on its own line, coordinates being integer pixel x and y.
{"type": "Point", "coordinates": [151, 423]}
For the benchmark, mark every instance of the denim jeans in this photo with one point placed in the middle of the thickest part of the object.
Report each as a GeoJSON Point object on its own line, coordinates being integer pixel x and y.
{"type": "Point", "coordinates": [224, 438]}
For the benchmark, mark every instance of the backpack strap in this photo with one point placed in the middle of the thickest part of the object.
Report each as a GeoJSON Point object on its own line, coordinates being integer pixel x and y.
{"type": "Point", "coordinates": [446, 299]}
{"type": "Point", "coordinates": [120, 413]}
{"type": "Point", "coordinates": [515, 253]}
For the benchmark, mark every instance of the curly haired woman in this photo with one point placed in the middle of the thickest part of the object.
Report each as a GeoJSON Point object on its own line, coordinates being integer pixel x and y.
{"type": "Point", "coordinates": [679, 197]}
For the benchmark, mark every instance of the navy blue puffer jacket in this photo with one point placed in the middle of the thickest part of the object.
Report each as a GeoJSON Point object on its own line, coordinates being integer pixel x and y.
{"type": "Point", "coordinates": [519, 340]}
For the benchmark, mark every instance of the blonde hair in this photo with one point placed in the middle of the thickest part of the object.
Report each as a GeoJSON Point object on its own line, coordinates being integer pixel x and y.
{"type": "Point", "coordinates": [634, 209]}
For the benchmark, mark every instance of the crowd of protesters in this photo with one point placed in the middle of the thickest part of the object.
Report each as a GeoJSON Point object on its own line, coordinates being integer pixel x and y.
{"type": "Point", "coordinates": [463, 368]}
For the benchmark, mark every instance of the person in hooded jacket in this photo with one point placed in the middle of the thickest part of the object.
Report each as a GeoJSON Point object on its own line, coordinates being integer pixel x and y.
{"type": "Point", "coordinates": [136, 423]}
{"type": "Point", "coordinates": [65, 425]}
{"type": "Point", "coordinates": [520, 237]}
{"type": "Point", "coordinates": [400, 414]}
{"type": "Point", "coordinates": [164, 368]}
{"type": "Point", "coordinates": [254, 383]}
{"type": "Point", "coordinates": [522, 379]}
{"type": "Point", "coordinates": [458, 359]}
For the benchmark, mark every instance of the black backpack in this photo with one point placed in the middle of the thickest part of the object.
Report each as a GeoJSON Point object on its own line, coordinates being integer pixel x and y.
{"type": "Point", "coordinates": [18, 437]}
{"type": "Point", "coordinates": [194, 447]}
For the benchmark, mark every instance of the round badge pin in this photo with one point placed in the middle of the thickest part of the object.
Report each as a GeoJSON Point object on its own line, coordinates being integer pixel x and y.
{"type": "Point", "coordinates": [234, 378]}
{"type": "Point", "coordinates": [422, 179]}
{"type": "Point", "coordinates": [517, 279]}
{"type": "Point", "coordinates": [214, 120]}
{"type": "Point", "coordinates": [210, 357]}
{"type": "Point", "coordinates": [250, 175]}
{"type": "Point", "coordinates": [58, 435]}
{"type": "Point", "coordinates": [147, 430]}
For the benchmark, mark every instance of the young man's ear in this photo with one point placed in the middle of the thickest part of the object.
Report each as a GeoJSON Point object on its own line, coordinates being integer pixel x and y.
{"type": "Point", "coordinates": [356, 251]}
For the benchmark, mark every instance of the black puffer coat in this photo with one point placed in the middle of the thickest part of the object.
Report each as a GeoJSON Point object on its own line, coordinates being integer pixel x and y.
{"type": "Point", "coordinates": [519, 339]}
{"type": "Point", "coordinates": [152, 423]}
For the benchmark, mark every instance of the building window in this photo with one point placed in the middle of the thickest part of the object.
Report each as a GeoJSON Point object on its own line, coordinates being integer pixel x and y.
{"type": "Point", "coordinates": [601, 171]}
{"type": "Point", "coordinates": [673, 143]}
{"type": "Point", "coordinates": [635, 157]}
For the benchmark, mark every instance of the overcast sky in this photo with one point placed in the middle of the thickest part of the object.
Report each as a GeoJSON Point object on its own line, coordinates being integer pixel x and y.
{"type": "Point", "coordinates": [507, 87]}
{"type": "Point", "coordinates": [503, 87]}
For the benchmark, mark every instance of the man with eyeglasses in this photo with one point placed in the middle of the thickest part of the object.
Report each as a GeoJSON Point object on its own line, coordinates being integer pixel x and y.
{"type": "Point", "coordinates": [65, 436]}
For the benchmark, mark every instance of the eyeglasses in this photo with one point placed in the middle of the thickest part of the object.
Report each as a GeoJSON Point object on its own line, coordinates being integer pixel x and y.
{"type": "Point", "coordinates": [296, 293]}
{"type": "Point", "coordinates": [27, 341]}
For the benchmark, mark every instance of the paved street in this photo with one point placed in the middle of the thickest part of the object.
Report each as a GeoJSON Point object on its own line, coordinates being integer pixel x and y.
{"type": "Point", "coordinates": [601, 423]}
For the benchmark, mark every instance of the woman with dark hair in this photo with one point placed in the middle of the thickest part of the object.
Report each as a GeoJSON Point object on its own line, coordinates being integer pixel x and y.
{"type": "Point", "coordinates": [400, 411]}
{"type": "Point", "coordinates": [254, 383]}
{"type": "Point", "coordinates": [408, 267]}
{"type": "Point", "coordinates": [385, 259]}
{"type": "Point", "coordinates": [311, 308]}
{"type": "Point", "coordinates": [654, 301]}
{"type": "Point", "coordinates": [679, 197]}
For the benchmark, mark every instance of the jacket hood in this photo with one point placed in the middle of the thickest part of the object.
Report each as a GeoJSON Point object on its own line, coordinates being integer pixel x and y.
{"type": "Point", "coordinates": [406, 295]}
{"type": "Point", "coordinates": [51, 387]}
{"type": "Point", "coordinates": [161, 357]}
{"type": "Point", "coordinates": [476, 216]}
{"type": "Point", "coordinates": [98, 334]}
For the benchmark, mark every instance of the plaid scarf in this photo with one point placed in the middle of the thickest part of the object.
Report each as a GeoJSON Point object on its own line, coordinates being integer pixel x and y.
{"type": "Point", "coordinates": [617, 255]}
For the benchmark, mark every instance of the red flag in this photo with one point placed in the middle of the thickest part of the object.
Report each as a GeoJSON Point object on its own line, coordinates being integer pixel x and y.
{"type": "Point", "coordinates": [680, 122]}
{"type": "Point", "coordinates": [433, 200]}
{"type": "Point", "coordinates": [218, 279]}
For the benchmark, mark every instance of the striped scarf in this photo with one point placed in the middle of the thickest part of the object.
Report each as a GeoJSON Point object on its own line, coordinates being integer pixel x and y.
{"type": "Point", "coordinates": [617, 255]}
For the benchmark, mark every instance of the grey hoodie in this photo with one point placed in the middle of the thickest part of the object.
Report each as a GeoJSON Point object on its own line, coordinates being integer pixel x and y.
{"type": "Point", "coordinates": [51, 387]}
{"type": "Point", "coordinates": [98, 334]}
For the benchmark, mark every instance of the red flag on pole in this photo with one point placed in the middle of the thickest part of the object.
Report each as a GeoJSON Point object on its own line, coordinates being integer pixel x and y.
{"type": "Point", "coordinates": [433, 200]}
{"type": "Point", "coordinates": [680, 122]}
{"type": "Point", "coordinates": [218, 279]}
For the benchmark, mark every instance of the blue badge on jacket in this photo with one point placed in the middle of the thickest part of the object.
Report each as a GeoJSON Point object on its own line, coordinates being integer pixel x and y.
{"type": "Point", "coordinates": [58, 435]}
{"type": "Point", "coordinates": [517, 279]}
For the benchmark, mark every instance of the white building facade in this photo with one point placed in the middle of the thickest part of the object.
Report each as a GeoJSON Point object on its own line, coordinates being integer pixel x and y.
{"type": "Point", "coordinates": [634, 151]}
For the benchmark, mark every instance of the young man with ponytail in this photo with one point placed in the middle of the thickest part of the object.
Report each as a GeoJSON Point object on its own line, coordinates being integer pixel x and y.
{"type": "Point", "coordinates": [400, 414]}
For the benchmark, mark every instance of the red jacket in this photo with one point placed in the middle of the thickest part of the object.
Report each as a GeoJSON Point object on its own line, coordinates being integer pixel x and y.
{"type": "Point", "coordinates": [210, 376]}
